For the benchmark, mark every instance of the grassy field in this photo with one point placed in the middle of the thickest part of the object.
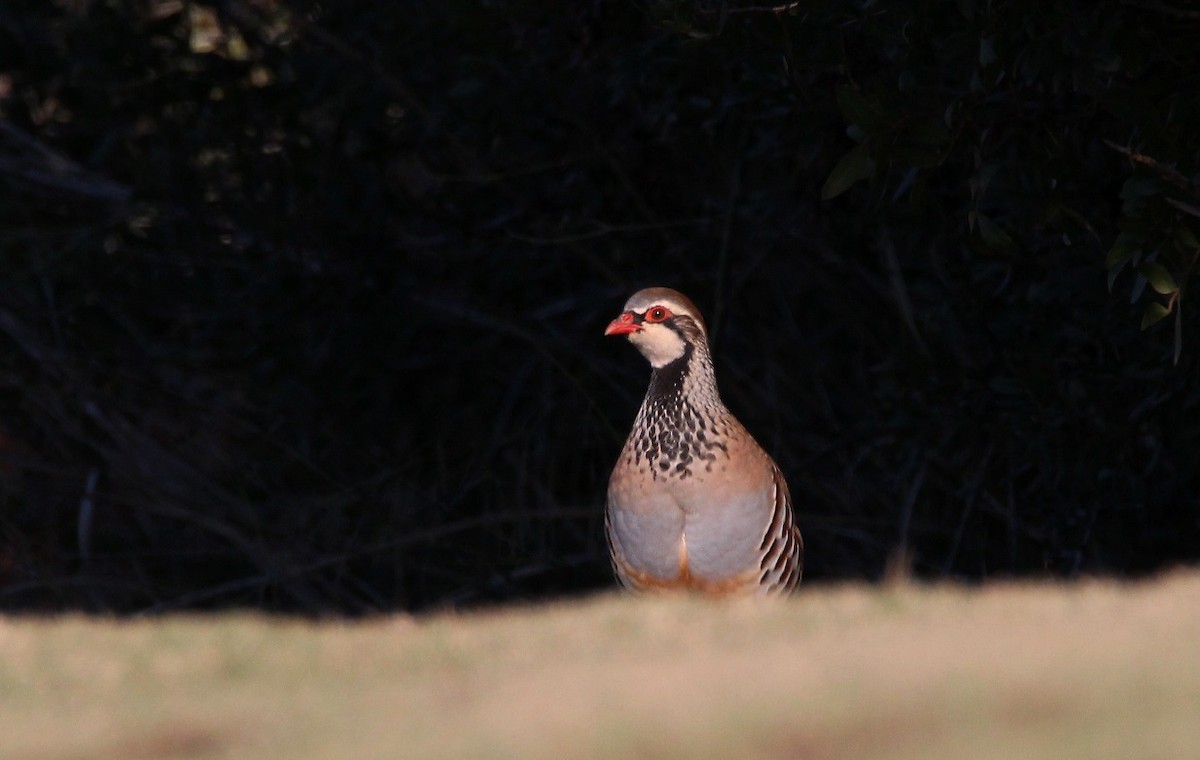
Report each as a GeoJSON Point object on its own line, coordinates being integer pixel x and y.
{"type": "Point", "coordinates": [1089, 670]}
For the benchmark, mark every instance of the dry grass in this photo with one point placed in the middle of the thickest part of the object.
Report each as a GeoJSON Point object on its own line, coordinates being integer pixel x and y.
{"type": "Point", "coordinates": [1095, 670]}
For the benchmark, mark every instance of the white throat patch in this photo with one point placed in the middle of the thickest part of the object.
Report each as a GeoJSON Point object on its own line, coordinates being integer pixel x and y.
{"type": "Point", "coordinates": [658, 343]}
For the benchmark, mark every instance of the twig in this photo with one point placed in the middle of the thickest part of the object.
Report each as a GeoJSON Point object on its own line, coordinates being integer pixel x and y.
{"type": "Point", "coordinates": [1186, 208]}
{"type": "Point", "coordinates": [778, 10]}
{"type": "Point", "coordinates": [900, 290]}
{"type": "Point", "coordinates": [299, 571]}
{"type": "Point", "coordinates": [1161, 7]}
{"type": "Point", "coordinates": [968, 509]}
{"type": "Point", "coordinates": [40, 165]}
{"type": "Point", "coordinates": [900, 562]}
{"type": "Point", "coordinates": [1164, 171]}
{"type": "Point", "coordinates": [86, 515]}
{"type": "Point", "coordinates": [731, 206]}
{"type": "Point", "coordinates": [604, 229]}
{"type": "Point", "coordinates": [27, 341]}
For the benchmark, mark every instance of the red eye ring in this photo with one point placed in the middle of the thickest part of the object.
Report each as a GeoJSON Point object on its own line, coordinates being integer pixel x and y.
{"type": "Point", "coordinates": [657, 314]}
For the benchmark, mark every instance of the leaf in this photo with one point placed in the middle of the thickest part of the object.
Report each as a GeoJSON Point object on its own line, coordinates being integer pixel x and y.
{"type": "Point", "coordinates": [987, 51]}
{"type": "Point", "coordinates": [1113, 272]}
{"type": "Point", "coordinates": [1139, 287]}
{"type": "Point", "coordinates": [1153, 313]}
{"type": "Point", "coordinates": [928, 133]}
{"type": "Point", "coordinates": [1158, 277]}
{"type": "Point", "coordinates": [857, 109]}
{"type": "Point", "coordinates": [1141, 186]}
{"type": "Point", "coordinates": [979, 182]}
{"type": "Point", "coordinates": [1123, 250]}
{"type": "Point", "coordinates": [1185, 239]}
{"type": "Point", "coordinates": [1178, 331]}
{"type": "Point", "coordinates": [919, 156]}
{"type": "Point", "coordinates": [852, 167]}
{"type": "Point", "coordinates": [993, 235]}
{"type": "Point", "coordinates": [206, 32]}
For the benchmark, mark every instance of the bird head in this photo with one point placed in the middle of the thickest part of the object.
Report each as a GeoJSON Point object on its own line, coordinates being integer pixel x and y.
{"type": "Point", "coordinates": [661, 323]}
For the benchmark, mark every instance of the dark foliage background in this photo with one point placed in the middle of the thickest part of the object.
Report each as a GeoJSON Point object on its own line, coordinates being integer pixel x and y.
{"type": "Point", "coordinates": [302, 301]}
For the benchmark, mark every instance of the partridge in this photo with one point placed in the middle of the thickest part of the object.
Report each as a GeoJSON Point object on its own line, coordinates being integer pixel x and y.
{"type": "Point", "coordinates": [694, 502]}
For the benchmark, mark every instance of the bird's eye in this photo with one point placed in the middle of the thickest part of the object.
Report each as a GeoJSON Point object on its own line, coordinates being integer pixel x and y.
{"type": "Point", "coordinates": [657, 314]}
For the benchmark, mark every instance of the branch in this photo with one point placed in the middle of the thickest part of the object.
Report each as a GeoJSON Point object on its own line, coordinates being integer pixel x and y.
{"type": "Point", "coordinates": [1166, 172]}
{"type": "Point", "coordinates": [1161, 7]}
{"type": "Point", "coordinates": [39, 165]}
{"type": "Point", "coordinates": [778, 10]}
{"type": "Point", "coordinates": [1186, 208]}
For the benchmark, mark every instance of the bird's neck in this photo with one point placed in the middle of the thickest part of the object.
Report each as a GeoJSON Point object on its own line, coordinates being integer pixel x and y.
{"type": "Point", "coordinates": [678, 427]}
{"type": "Point", "coordinates": [686, 383]}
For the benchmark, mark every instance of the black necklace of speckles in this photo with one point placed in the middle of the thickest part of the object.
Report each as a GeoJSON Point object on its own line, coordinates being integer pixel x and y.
{"type": "Point", "coordinates": [674, 434]}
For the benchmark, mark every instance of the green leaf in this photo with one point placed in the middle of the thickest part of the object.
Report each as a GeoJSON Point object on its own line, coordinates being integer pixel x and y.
{"type": "Point", "coordinates": [1123, 250]}
{"type": "Point", "coordinates": [1113, 271]}
{"type": "Point", "coordinates": [1136, 226]}
{"type": "Point", "coordinates": [1158, 277]}
{"type": "Point", "coordinates": [1178, 330]}
{"type": "Point", "coordinates": [852, 167]}
{"type": "Point", "coordinates": [1153, 313]}
{"type": "Point", "coordinates": [857, 109]}
{"type": "Point", "coordinates": [1139, 287]}
{"type": "Point", "coordinates": [928, 133]}
{"type": "Point", "coordinates": [983, 176]}
{"type": "Point", "coordinates": [993, 236]}
{"type": "Point", "coordinates": [1142, 186]}
{"type": "Point", "coordinates": [987, 51]}
{"type": "Point", "coordinates": [919, 156]}
{"type": "Point", "coordinates": [1185, 239]}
